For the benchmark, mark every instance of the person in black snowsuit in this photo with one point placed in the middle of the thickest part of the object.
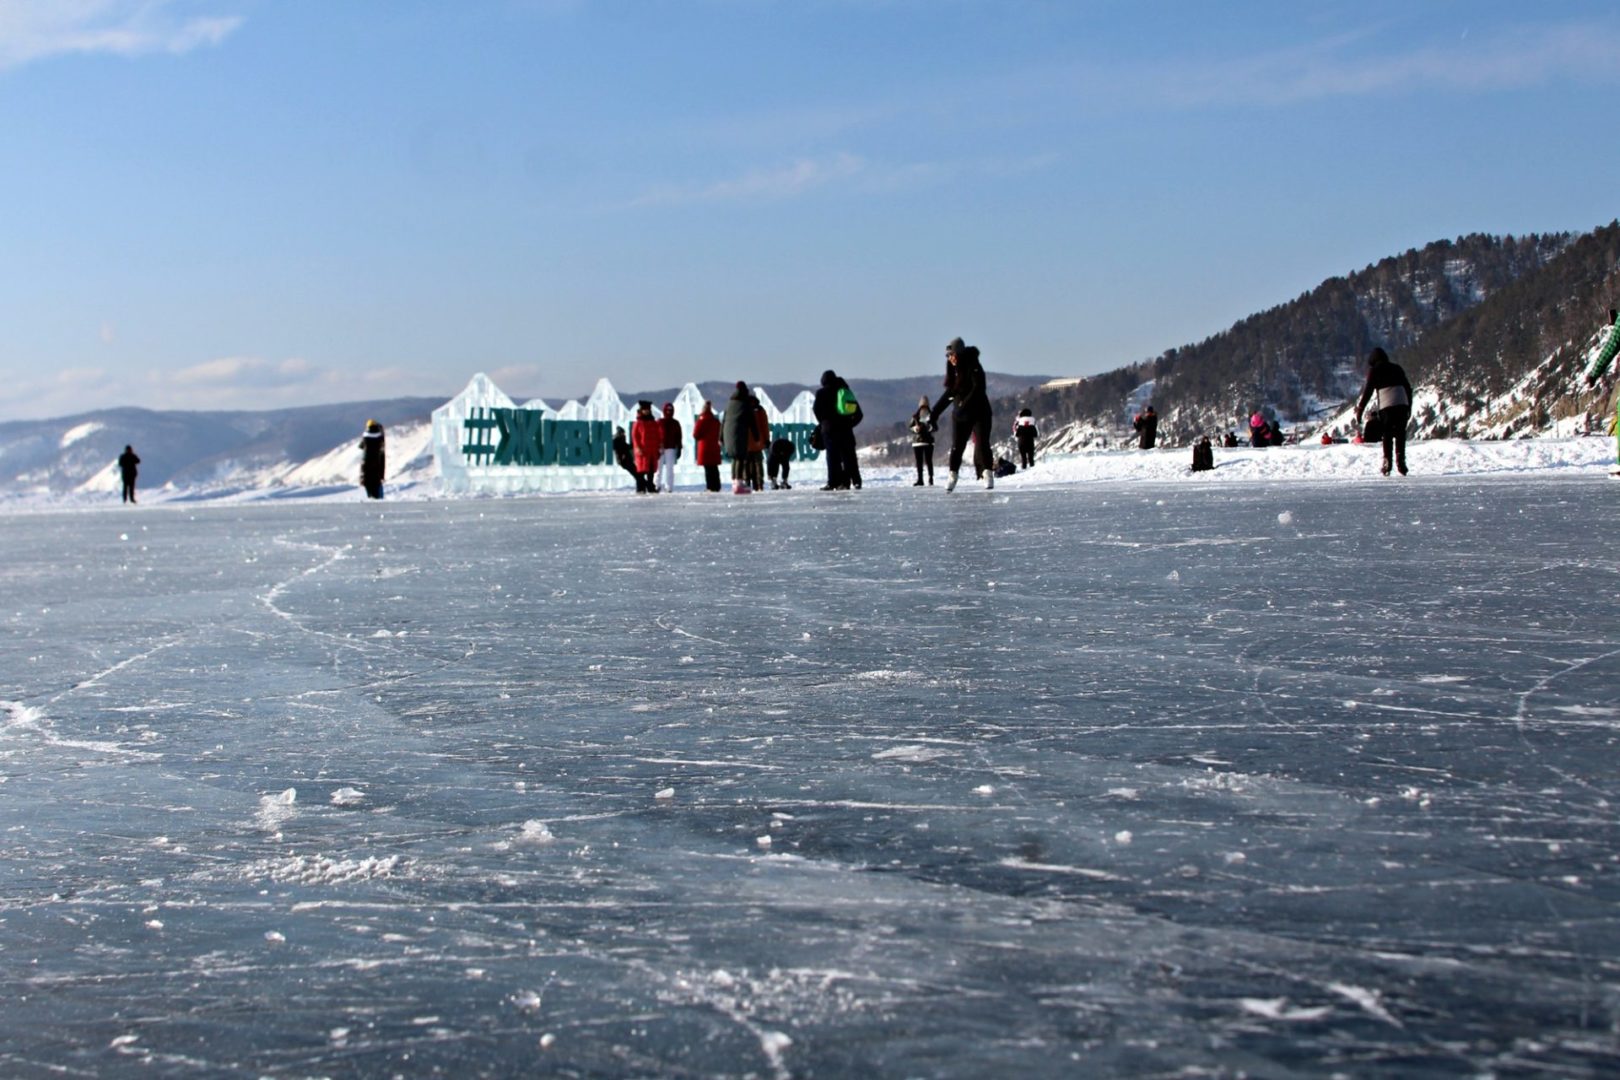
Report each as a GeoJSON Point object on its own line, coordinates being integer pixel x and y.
{"type": "Point", "coordinates": [838, 431]}
{"type": "Point", "coordinates": [964, 388]}
{"type": "Point", "coordinates": [1146, 424]}
{"type": "Point", "coordinates": [1386, 379]}
{"type": "Point", "coordinates": [780, 462]}
{"type": "Point", "coordinates": [1025, 433]}
{"type": "Point", "coordinates": [1203, 455]}
{"type": "Point", "coordinates": [923, 425]}
{"type": "Point", "coordinates": [373, 459]}
{"type": "Point", "coordinates": [127, 468]}
{"type": "Point", "coordinates": [621, 454]}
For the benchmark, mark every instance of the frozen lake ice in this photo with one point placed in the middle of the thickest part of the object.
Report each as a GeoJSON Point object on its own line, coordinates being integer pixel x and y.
{"type": "Point", "coordinates": [1282, 779]}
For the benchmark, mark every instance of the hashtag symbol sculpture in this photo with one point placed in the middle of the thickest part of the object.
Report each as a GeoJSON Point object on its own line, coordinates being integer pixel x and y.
{"type": "Point", "coordinates": [479, 426]}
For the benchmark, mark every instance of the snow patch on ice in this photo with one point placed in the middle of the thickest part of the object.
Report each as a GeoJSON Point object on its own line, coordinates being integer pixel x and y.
{"type": "Point", "coordinates": [916, 754]}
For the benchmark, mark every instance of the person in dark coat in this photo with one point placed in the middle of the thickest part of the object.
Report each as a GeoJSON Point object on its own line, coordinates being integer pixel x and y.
{"type": "Point", "coordinates": [923, 425]}
{"type": "Point", "coordinates": [965, 389]}
{"type": "Point", "coordinates": [647, 444]}
{"type": "Point", "coordinates": [1025, 434]}
{"type": "Point", "coordinates": [1203, 455]}
{"type": "Point", "coordinates": [736, 426]}
{"type": "Point", "coordinates": [373, 459]}
{"type": "Point", "coordinates": [1230, 440]}
{"type": "Point", "coordinates": [127, 468]}
{"type": "Point", "coordinates": [706, 439]}
{"type": "Point", "coordinates": [780, 463]}
{"type": "Point", "coordinates": [838, 412]}
{"type": "Point", "coordinates": [622, 454]}
{"type": "Point", "coordinates": [1146, 424]}
{"type": "Point", "coordinates": [1394, 408]}
{"type": "Point", "coordinates": [673, 445]}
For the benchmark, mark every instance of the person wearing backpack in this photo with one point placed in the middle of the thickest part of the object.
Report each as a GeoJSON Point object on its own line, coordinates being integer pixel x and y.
{"type": "Point", "coordinates": [965, 389]}
{"type": "Point", "coordinates": [838, 412]}
{"type": "Point", "coordinates": [1386, 379]}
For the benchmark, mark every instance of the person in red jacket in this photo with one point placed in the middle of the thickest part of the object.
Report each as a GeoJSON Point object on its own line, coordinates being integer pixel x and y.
{"type": "Point", "coordinates": [647, 440]}
{"type": "Point", "coordinates": [706, 439]}
{"type": "Point", "coordinates": [672, 449]}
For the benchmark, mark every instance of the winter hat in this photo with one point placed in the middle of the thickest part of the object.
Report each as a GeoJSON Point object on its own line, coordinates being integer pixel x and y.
{"type": "Point", "coordinates": [669, 408]}
{"type": "Point", "coordinates": [956, 345]}
{"type": "Point", "coordinates": [643, 406]}
{"type": "Point", "coordinates": [372, 425]}
{"type": "Point", "coordinates": [1377, 356]}
{"type": "Point", "coordinates": [829, 377]}
{"type": "Point", "coordinates": [742, 387]}
{"type": "Point", "coordinates": [1257, 420]}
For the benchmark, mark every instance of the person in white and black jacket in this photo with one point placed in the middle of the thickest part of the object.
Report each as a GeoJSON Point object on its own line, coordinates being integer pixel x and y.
{"type": "Point", "coordinates": [1025, 433]}
{"type": "Point", "coordinates": [1386, 379]}
{"type": "Point", "coordinates": [923, 425]}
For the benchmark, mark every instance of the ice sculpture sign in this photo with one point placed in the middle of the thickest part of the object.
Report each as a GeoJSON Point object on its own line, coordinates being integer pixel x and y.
{"type": "Point", "coordinates": [485, 443]}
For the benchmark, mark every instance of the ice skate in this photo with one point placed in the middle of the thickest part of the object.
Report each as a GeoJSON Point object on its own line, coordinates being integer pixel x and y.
{"type": "Point", "coordinates": [990, 481]}
{"type": "Point", "coordinates": [950, 485]}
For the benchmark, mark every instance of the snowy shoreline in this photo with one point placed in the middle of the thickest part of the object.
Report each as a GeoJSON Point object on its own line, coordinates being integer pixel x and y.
{"type": "Point", "coordinates": [1586, 456]}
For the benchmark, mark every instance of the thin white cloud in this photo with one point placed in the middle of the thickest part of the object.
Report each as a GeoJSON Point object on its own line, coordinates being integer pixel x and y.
{"type": "Point", "coordinates": [1354, 66]}
{"type": "Point", "coordinates": [761, 185]}
{"type": "Point", "coordinates": [843, 170]}
{"type": "Point", "coordinates": [36, 29]}
{"type": "Point", "coordinates": [241, 372]}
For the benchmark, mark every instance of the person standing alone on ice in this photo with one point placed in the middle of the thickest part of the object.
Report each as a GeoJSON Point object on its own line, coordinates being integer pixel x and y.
{"type": "Point", "coordinates": [923, 426]}
{"type": "Point", "coordinates": [964, 388]}
{"type": "Point", "coordinates": [1025, 434]}
{"type": "Point", "coordinates": [127, 462]}
{"type": "Point", "coordinates": [1146, 424]}
{"type": "Point", "coordinates": [373, 459]}
{"type": "Point", "coordinates": [1386, 379]}
{"type": "Point", "coordinates": [672, 449]}
{"type": "Point", "coordinates": [1595, 369]}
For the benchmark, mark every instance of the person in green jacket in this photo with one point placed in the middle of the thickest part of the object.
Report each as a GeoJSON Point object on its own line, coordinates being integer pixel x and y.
{"type": "Point", "coordinates": [1600, 363]}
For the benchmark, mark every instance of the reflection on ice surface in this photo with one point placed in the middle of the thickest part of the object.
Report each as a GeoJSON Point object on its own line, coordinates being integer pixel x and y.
{"type": "Point", "coordinates": [1165, 780]}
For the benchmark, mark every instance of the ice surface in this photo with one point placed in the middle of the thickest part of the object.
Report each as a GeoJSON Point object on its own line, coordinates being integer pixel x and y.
{"type": "Point", "coordinates": [1051, 782]}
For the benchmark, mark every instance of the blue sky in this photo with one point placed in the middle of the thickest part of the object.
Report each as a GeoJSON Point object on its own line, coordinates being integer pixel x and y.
{"type": "Point", "coordinates": [256, 203]}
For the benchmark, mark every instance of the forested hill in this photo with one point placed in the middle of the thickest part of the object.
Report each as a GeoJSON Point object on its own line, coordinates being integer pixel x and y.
{"type": "Point", "coordinates": [1300, 361]}
{"type": "Point", "coordinates": [1512, 365]}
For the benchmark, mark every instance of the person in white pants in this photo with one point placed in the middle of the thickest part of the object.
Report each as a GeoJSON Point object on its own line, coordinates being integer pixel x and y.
{"type": "Point", "coordinates": [672, 449]}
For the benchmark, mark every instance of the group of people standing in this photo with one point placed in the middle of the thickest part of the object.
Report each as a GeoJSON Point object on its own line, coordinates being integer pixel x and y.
{"type": "Point", "coordinates": [742, 433]}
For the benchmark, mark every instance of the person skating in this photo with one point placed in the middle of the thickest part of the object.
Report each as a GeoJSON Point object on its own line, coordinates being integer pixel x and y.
{"type": "Point", "coordinates": [1025, 434]}
{"type": "Point", "coordinates": [1386, 379]}
{"type": "Point", "coordinates": [1600, 363]}
{"type": "Point", "coordinates": [735, 428]}
{"type": "Point", "coordinates": [923, 425]}
{"type": "Point", "coordinates": [706, 443]}
{"type": "Point", "coordinates": [1146, 425]}
{"type": "Point", "coordinates": [128, 466]}
{"type": "Point", "coordinates": [647, 441]}
{"type": "Point", "coordinates": [672, 449]}
{"type": "Point", "coordinates": [838, 412]}
{"type": "Point", "coordinates": [373, 459]}
{"type": "Point", "coordinates": [780, 463]}
{"type": "Point", "coordinates": [965, 390]}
